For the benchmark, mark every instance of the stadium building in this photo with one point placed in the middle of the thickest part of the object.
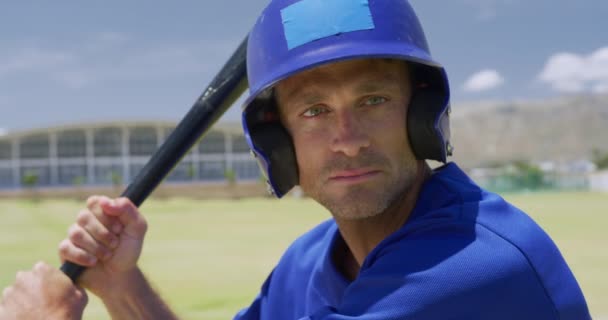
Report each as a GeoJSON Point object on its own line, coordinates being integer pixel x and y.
{"type": "Point", "coordinates": [104, 154]}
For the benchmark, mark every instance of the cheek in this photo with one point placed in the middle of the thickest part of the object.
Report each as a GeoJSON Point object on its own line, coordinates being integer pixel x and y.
{"type": "Point", "coordinates": [308, 154]}
{"type": "Point", "coordinates": [391, 134]}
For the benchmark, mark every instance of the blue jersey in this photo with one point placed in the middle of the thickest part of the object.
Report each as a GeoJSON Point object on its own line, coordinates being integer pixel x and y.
{"type": "Point", "coordinates": [464, 253]}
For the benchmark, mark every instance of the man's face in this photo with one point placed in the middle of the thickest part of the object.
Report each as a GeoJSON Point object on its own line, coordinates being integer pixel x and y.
{"type": "Point", "coordinates": [347, 121]}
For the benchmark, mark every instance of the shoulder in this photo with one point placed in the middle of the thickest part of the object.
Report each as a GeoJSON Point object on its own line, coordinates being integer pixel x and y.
{"type": "Point", "coordinates": [314, 241]}
{"type": "Point", "coordinates": [465, 245]}
{"type": "Point", "coordinates": [307, 253]}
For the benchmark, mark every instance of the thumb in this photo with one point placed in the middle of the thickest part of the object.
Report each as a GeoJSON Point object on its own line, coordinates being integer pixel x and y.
{"type": "Point", "coordinates": [128, 214]}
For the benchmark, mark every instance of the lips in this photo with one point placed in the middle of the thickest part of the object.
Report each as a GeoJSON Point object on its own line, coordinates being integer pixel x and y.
{"type": "Point", "coordinates": [353, 175]}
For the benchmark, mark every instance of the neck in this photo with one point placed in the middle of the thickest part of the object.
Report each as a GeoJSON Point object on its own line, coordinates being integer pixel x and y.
{"type": "Point", "coordinates": [361, 236]}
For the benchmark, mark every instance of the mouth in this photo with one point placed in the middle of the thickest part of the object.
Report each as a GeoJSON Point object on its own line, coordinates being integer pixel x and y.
{"type": "Point", "coordinates": [353, 176]}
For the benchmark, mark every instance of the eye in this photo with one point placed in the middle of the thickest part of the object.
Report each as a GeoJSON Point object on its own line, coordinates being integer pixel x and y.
{"type": "Point", "coordinates": [374, 100]}
{"type": "Point", "coordinates": [314, 111]}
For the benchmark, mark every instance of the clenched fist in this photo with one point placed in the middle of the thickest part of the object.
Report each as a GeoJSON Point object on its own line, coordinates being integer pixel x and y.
{"type": "Point", "coordinates": [107, 238]}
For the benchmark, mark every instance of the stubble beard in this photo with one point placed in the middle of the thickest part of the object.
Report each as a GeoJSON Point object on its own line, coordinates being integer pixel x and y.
{"type": "Point", "coordinates": [368, 200]}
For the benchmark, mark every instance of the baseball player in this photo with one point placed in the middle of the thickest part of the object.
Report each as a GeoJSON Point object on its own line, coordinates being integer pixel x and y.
{"type": "Point", "coordinates": [347, 102]}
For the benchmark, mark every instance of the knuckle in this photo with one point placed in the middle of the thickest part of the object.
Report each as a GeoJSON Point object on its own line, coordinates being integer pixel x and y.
{"type": "Point", "coordinates": [19, 276]}
{"type": "Point", "coordinates": [82, 297]}
{"type": "Point", "coordinates": [84, 258]}
{"type": "Point", "coordinates": [83, 217]}
{"type": "Point", "coordinates": [64, 248]}
{"type": "Point", "coordinates": [143, 225]}
{"type": "Point", "coordinates": [126, 203]}
{"type": "Point", "coordinates": [6, 292]}
{"type": "Point", "coordinates": [107, 236]}
{"type": "Point", "coordinates": [41, 266]}
{"type": "Point", "coordinates": [100, 252]}
{"type": "Point", "coordinates": [92, 200]}
{"type": "Point", "coordinates": [76, 234]}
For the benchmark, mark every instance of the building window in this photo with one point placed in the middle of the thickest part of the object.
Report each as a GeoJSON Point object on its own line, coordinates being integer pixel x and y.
{"type": "Point", "coordinates": [5, 150]}
{"type": "Point", "coordinates": [72, 175]}
{"type": "Point", "coordinates": [212, 142]}
{"type": "Point", "coordinates": [246, 169]}
{"type": "Point", "coordinates": [239, 145]}
{"type": "Point", "coordinates": [108, 142]}
{"type": "Point", "coordinates": [212, 170]}
{"type": "Point", "coordinates": [183, 171]}
{"type": "Point", "coordinates": [109, 174]}
{"type": "Point", "coordinates": [35, 147]}
{"type": "Point", "coordinates": [134, 169]}
{"type": "Point", "coordinates": [6, 177]}
{"type": "Point", "coordinates": [142, 141]}
{"type": "Point", "coordinates": [71, 144]}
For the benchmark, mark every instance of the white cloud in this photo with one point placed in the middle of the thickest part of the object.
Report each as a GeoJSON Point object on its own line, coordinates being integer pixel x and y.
{"type": "Point", "coordinates": [483, 80]}
{"type": "Point", "coordinates": [571, 73]}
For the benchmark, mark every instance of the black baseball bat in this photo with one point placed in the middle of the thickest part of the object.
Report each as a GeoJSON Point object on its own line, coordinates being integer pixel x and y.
{"type": "Point", "coordinates": [222, 92]}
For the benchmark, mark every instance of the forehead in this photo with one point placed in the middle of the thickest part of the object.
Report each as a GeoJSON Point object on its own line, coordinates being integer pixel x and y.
{"type": "Point", "coordinates": [348, 71]}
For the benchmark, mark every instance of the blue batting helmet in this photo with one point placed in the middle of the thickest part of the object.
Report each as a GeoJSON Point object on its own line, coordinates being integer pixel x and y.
{"type": "Point", "coordinates": [295, 35]}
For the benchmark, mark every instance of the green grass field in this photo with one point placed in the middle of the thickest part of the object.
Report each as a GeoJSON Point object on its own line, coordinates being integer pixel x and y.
{"type": "Point", "coordinates": [209, 258]}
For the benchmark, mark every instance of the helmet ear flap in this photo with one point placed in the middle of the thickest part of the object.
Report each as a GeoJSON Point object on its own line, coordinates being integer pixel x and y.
{"type": "Point", "coordinates": [428, 114]}
{"type": "Point", "coordinates": [275, 143]}
{"type": "Point", "coordinates": [272, 146]}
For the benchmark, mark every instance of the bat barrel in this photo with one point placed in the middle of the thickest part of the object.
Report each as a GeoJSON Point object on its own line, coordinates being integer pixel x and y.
{"type": "Point", "coordinates": [227, 86]}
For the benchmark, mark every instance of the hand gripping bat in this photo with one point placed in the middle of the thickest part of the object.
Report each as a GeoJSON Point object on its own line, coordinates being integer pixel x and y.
{"type": "Point", "coordinates": [222, 92]}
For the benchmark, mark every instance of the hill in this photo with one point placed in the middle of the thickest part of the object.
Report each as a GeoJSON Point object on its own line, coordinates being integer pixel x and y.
{"type": "Point", "coordinates": [561, 129]}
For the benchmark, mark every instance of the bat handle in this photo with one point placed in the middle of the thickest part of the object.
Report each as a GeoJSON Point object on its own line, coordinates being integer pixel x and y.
{"type": "Point", "coordinates": [72, 270]}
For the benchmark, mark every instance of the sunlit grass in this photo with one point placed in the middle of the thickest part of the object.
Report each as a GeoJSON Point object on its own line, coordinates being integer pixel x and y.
{"type": "Point", "coordinates": [209, 258]}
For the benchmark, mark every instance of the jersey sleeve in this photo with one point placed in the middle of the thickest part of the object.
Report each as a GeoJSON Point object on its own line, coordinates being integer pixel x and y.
{"type": "Point", "coordinates": [254, 311]}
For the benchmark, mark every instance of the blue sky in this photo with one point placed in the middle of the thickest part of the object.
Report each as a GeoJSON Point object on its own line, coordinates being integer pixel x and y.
{"type": "Point", "coordinates": [63, 62]}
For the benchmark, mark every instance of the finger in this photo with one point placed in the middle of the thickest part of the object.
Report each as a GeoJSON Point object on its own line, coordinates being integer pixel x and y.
{"type": "Point", "coordinates": [69, 252]}
{"type": "Point", "coordinates": [94, 204]}
{"type": "Point", "coordinates": [94, 227]}
{"type": "Point", "coordinates": [83, 239]}
{"type": "Point", "coordinates": [80, 247]}
{"type": "Point", "coordinates": [20, 277]}
{"type": "Point", "coordinates": [41, 266]}
{"type": "Point", "coordinates": [81, 294]}
{"type": "Point", "coordinates": [6, 293]}
{"type": "Point", "coordinates": [128, 214]}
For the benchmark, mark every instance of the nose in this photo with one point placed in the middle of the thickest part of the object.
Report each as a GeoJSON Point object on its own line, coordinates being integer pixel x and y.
{"type": "Point", "coordinates": [348, 134]}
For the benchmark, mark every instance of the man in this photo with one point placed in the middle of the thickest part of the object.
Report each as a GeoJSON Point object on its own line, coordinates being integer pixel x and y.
{"type": "Point", "coordinates": [347, 103]}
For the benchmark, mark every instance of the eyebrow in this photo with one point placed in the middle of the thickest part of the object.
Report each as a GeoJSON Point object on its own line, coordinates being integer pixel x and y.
{"type": "Point", "coordinates": [308, 96]}
{"type": "Point", "coordinates": [368, 85]}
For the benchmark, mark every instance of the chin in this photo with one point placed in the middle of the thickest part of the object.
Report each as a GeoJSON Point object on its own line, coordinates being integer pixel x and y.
{"type": "Point", "coordinates": [356, 203]}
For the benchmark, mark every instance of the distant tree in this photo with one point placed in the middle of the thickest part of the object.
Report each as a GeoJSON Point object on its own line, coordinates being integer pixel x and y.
{"type": "Point", "coordinates": [230, 176]}
{"type": "Point", "coordinates": [525, 175]}
{"type": "Point", "coordinates": [78, 181]}
{"type": "Point", "coordinates": [530, 175]}
{"type": "Point", "coordinates": [30, 180]}
{"type": "Point", "coordinates": [600, 158]}
{"type": "Point", "coordinates": [191, 171]}
{"type": "Point", "coordinates": [116, 179]}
